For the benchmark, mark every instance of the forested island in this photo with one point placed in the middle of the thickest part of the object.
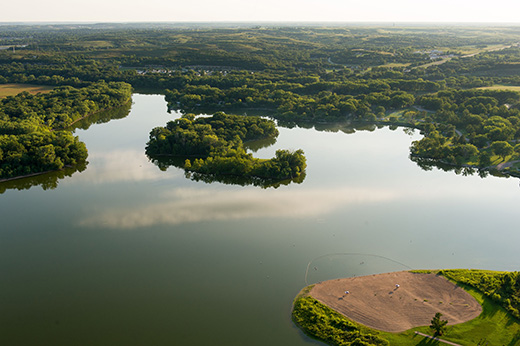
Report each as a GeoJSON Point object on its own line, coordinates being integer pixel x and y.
{"type": "Point", "coordinates": [215, 145]}
{"type": "Point", "coordinates": [460, 90]}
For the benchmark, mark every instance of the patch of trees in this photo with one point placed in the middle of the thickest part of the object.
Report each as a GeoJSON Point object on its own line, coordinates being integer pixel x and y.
{"type": "Point", "coordinates": [327, 325]}
{"type": "Point", "coordinates": [501, 287]}
{"type": "Point", "coordinates": [33, 138]}
{"type": "Point", "coordinates": [61, 107]}
{"type": "Point", "coordinates": [355, 99]}
{"type": "Point", "coordinates": [470, 127]}
{"type": "Point", "coordinates": [37, 152]}
{"type": "Point", "coordinates": [214, 145]}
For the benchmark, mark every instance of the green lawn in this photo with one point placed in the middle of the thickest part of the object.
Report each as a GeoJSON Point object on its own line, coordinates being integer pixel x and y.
{"type": "Point", "coordinates": [494, 325]}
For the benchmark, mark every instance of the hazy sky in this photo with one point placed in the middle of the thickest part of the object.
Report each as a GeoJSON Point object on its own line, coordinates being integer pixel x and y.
{"type": "Point", "coordinates": [262, 10]}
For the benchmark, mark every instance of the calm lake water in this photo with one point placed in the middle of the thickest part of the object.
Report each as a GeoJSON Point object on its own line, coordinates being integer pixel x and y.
{"type": "Point", "coordinates": [123, 253]}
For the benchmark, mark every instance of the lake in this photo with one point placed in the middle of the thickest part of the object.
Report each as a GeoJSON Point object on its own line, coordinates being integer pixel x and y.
{"type": "Point", "coordinates": [123, 253]}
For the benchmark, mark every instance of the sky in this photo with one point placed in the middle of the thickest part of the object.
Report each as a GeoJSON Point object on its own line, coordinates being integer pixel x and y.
{"type": "Point", "coordinates": [397, 11]}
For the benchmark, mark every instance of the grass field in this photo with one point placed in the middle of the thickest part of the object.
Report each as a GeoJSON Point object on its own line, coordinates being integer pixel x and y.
{"type": "Point", "coordinates": [502, 87]}
{"type": "Point", "coordinates": [15, 89]}
{"type": "Point", "coordinates": [494, 326]}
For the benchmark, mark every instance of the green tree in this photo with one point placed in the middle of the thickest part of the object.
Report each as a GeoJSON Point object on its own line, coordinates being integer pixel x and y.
{"type": "Point", "coordinates": [438, 325]}
{"type": "Point", "coordinates": [502, 149]}
{"type": "Point", "coordinates": [484, 159]}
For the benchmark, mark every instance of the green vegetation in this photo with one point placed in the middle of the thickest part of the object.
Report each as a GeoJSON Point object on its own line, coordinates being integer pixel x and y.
{"type": "Point", "coordinates": [494, 326]}
{"type": "Point", "coordinates": [502, 287]}
{"type": "Point", "coordinates": [325, 324]}
{"type": "Point", "coordinates": [420, 77]}
{"type": "Point", "coordinates": [473, 127]}
{"type": "Point", "coordinates": [216, 146]}
{"type": "Point", "coordinates": [32, 135]}
{"type": "Point", "coordinates": [438, 325]}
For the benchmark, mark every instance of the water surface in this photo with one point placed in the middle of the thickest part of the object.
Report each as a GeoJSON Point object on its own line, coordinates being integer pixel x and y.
{"type": "Point", "coordinates": [124, 253]}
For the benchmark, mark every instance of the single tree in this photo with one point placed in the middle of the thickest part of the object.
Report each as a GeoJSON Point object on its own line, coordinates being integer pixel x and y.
{"type": "Point", "coordinates": [502, 149]}
{"type": "Point", "coordinates": [438, 325]}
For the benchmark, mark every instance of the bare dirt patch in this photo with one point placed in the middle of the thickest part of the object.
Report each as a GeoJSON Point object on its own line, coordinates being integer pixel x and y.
{"type": "Point", "coordinates": [376, 302]}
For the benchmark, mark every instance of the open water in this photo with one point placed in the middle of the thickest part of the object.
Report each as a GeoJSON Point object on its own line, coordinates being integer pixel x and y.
{"type": "Point", "coordinates": [123, 253]}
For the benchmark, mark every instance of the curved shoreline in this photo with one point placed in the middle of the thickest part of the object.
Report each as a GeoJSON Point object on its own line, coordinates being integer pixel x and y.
{"type": "Point", "coordinates": [397, 301]}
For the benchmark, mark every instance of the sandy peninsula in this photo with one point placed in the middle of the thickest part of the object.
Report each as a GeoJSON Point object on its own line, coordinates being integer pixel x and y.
{"type": "Point", "coordinates": [398, 301]}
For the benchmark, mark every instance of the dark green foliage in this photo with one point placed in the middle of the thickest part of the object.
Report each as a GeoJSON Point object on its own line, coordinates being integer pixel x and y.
{"type": "Point", "coordinates": [438, 325]}
{"type": "Point", "coordinates": [31, 135]}
{"type": "Point", "coordinates": [59, 108]}
{"type": "Point", "coordinates": [190, 136]}
{"type": "Point", "coordinates": [214, 145]}
{"type": "Point", "coordinates": [39, 152]}
{"type": "Point", "coordinates": [316, 100]}
{"type": "Point", "coordinates": [469, 126]}
{"type": "Point", "coordinates": [323, 323]}
{"type": "Point", "coordinates": [502, 287]}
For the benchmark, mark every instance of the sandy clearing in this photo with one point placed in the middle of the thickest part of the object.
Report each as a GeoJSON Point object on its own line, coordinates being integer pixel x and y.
{"type": "Point", "coordinates": [376, 302]}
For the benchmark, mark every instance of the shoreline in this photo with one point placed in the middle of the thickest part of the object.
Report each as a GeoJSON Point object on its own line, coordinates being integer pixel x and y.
{"type": "Point", "coordinates": [34, 174]}
{"type": "Point", "coordinates": [396, 301]}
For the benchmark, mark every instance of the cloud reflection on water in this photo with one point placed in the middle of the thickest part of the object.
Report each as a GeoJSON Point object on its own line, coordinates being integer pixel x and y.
{"type": "Point", "coordinates": [120, 166]}
{"type": "Point", "coordinates": [186, 205]}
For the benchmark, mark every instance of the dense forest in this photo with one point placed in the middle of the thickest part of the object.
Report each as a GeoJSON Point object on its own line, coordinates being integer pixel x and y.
{"type": "Point", "coordinates": [33, 134]}
{"type": "Point", "coordinates": [216, 146]}
{"type": "Point", "coordinates": [457, 84]}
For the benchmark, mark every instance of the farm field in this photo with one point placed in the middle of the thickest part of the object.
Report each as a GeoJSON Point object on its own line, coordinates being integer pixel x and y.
{"type": "Point", "coordinates": [15, 89]}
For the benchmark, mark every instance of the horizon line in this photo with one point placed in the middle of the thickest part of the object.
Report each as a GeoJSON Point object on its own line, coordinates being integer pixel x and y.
{"type": "Point", "coordinates": [301, 22]}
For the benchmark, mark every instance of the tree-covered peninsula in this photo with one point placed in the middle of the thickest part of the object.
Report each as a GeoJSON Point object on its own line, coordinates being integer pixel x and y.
{"type": "Point", "coordinates": [33, 134]}
{"type": "Point", "coordinates": [215, 145]}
